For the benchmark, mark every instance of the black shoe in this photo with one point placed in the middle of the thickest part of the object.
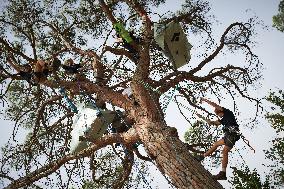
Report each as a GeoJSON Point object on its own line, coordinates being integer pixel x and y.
{"type": "Point", "coordinates": [220, 176]}
{"type": "Point", "coordinates": [199, 158]}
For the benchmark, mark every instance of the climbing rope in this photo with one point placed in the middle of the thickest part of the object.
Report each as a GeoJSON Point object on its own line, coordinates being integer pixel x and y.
{"type": "Point", "coordinates": [71, 105]}
{"type": "Point", "coordinates": [167, 103]}
{"type": "Point", "coordinates": [244, 160]}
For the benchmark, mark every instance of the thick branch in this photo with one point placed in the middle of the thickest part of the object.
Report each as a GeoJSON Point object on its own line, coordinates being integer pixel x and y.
{"type": "Point", "coordinates": [127, 167]}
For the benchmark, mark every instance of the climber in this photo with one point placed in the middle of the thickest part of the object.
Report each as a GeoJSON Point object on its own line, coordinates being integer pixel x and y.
{"type": "Point", "coordinates": [26, 73]}
{"type": "Point", "coordinates": [231, 135]}
{"type": "Point", "coordinates": [56, 63]}
{"type": "Point", "coordinates": [70, 67]}
{"type": "Point", "coordinates": [43, 68]}
{"type": "Point", "coordinates": [122, 123]}
{"type": "Point", "coordinates": [40, 71]}
{"type": "Point", "coordinates": [127, 39]}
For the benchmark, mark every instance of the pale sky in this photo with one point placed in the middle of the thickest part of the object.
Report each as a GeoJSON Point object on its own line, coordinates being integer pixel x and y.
{"type": "Point", "coordinates": [270, 50]}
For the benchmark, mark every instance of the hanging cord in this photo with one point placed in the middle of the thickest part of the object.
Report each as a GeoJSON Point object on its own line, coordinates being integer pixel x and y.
{"type": "Point", "coordinates": [142, 175]}
{"type": "Point", "coordinates": [125, 150]}
{"type": "Point", "coordinates": [246, 141]}
{"type": "Point", "coordinates": [165, 108]}
{"type": "Point", "coordinates": [164, 123]}
{"type": "Point", "coordinates": [71, 105]}
{"type": "Point", "coordinates": [244, 161]}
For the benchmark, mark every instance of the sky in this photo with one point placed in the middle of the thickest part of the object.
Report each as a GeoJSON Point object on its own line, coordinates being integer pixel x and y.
{"type": "Point", "coordinates": [269, 48]}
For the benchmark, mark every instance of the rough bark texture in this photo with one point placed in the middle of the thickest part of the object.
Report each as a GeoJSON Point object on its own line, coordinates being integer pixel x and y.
{"type": "Point", "coordinates": [173, 158]}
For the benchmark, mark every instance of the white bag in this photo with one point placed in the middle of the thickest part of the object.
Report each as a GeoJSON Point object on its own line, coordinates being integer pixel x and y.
{"type": "Point", "coordinates": [89, 125]}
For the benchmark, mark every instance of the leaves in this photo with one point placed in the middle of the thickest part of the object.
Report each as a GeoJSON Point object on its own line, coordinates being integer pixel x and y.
{"type": "Point", "coordinates": [276, 153]}
{"type": "Point", "coordinates": [244, 178]}
{"type": "Point", "coordinates": [278, 20]}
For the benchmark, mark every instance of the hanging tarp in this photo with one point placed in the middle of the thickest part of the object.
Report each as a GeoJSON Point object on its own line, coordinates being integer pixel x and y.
{"type": "Point", "coordinates": [172, 39]}
{"type": "Point", "coordinates": [89, 124]}
{"type": "Point", "coordinates": [81, 122]}
{"type": "Point", "coordinates": [100, 125]}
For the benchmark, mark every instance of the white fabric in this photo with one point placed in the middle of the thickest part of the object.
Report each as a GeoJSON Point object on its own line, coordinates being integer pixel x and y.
{"type": "Point", "coordinates": [172, 39]}
{"type": "Point", "coordinates": [127, 91]}
{"type": "Point", "coordinates": [81, 123]}
{"type": "Point", "coordinates": [89, 125]}
{"type": "Point", "coordinates": [100, 125]}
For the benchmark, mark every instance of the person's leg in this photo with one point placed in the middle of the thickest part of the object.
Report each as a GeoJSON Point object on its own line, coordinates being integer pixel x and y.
{"type": "Point", "coordinates": [211, 150]}
{"type": "Point", "coordinates": [214, 147]}
{"type": "Point", "coordinates": [222, 174]}
{"type": "Point", "coordinates": [229, 143]}
{"type": "Point", "coordinates": [225, 153]}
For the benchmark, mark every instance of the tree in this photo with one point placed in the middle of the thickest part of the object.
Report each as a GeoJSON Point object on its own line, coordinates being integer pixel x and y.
{"type": "Point", "coordinates": [278, 20]}
{"type": "Point", "coordinates": [276, 152]}
{"type": "Point", "coordinates": [82, 30]}
{"type": "Point", "coordinates": [244, 178]}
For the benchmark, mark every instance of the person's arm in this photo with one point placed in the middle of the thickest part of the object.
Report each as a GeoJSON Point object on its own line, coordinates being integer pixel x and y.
{"type": "Point", "coordinates": [217, 122]}
{"type": "Point", "coordinates": [212, 103]}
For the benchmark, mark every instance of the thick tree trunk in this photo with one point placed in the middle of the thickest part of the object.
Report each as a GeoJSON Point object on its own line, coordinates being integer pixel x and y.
{"type": "Point", "coordinates": [173, 158]}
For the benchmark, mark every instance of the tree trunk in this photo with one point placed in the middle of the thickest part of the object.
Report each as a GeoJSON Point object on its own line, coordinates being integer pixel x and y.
{"type": "Point", "coordinates": [172, 157]}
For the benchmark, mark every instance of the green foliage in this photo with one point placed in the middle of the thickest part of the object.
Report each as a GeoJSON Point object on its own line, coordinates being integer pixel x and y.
{"type": "Point", "coordinates": [278, 20]}
{"type": "Point", "coordinates": [245, 179]}
{"type": "Point", "coordinates": [276, 153]}
{"type": "Point", "coordinates": [22, 104]}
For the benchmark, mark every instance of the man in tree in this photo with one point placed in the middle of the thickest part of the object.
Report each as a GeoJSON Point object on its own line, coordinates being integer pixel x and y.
{"type": "Point", "coordinates": [231, 130]}
{"type": "Point", "coordinates": [129, 45]}
{"type": "Point", "coordinates": [53, 33]}
{"type": "Point", "coordinates": [40, 71]}
{"type": "Point", "coordinates": [70, 67]}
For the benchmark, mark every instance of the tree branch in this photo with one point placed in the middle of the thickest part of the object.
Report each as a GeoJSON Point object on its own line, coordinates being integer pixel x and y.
{"type": "Point", "coordinates": [46, 170]}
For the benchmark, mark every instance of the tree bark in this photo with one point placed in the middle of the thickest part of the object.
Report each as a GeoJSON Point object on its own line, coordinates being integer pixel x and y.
{"type": "Point", "coordinates": [172, 157]}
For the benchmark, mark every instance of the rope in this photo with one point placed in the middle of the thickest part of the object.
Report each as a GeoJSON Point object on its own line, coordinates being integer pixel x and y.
{"type": "Point", "coordinates": [136, 167]}
{"type": "Point", "coordinates": [246, 141]}
{"type": "Point", "coordinates": [69, 101]}
{"type": "Point", "coordinates": [244, 160]}
{"type": "Point", "coordinates": [165, 108]}
{"type": "Point", "coordinates": [163, 121]}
